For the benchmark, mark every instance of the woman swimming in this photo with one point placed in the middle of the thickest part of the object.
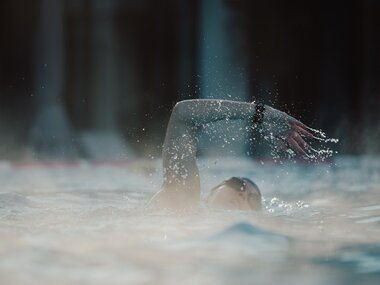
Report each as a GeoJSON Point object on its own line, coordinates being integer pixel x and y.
{"type": "Point", "coordinates": [181, 186]}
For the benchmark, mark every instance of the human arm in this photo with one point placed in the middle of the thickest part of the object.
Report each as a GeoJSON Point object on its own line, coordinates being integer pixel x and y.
{"type": "Point", "coordinates": [181, 187]}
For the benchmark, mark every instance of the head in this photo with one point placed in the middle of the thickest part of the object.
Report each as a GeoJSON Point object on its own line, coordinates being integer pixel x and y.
{"type": "Point", "coordinates": [237, 193]}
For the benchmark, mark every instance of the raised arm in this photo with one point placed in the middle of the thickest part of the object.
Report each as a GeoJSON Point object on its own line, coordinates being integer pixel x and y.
{"type": "Point", "coordinates": [181, 187]}
{"type": "Point", "coordinates": [198, 112]}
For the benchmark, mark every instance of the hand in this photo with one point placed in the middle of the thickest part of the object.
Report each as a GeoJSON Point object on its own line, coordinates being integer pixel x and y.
{"type": "Point", "coordinates": [285, 131]}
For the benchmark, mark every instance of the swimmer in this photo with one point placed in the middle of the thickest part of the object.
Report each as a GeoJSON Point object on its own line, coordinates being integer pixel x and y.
{"type": "Point", "coordinates": [181, 186]}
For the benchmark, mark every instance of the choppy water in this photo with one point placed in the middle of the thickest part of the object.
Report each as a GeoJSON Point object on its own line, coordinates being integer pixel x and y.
{"type": "Point", "coordinates": [87, 224]}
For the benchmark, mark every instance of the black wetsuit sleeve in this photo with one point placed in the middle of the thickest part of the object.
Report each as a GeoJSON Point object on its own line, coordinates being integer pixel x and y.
{"type": "Point", "coordinates": [180, 146]}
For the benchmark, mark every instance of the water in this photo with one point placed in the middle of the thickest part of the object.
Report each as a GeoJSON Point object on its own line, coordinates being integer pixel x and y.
{"type": "Point", "coordinates": [86, 224]}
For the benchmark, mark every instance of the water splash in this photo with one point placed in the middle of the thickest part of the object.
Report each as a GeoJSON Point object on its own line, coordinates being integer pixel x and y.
{"type": "Point", "coordinates": [277, 207]}
{"type": "Point", "coordinates": [322, 151]}
{"type": "Point", "coordinates": [318, 148]}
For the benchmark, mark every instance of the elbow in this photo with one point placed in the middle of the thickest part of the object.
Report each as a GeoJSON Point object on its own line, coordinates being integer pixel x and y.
{"type": "Point", "coordinates": [176, 111]}
{"type": "Point", "coordinates": [179, 110]}
{"type": "Point", "coordinates": [183, 112]}
{"type": "Point", "coordinates": [181, 105]}
{"type": "Point", "coordinates": [176, 115]}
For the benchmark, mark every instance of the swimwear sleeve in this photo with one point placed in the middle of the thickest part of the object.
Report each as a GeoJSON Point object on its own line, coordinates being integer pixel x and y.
{"type": "Point", "coordinates": [180, 146]}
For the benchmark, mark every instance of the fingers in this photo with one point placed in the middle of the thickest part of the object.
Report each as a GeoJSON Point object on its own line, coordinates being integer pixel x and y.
{"type": "Point", "coordinates": [307, 149]}
{"type": "Point", "coordinates": [303, 132]}
{"type": "Point", "coordinates": [300, 124]}
{"type": "Point", "coordinates": [296, 138]}
{"type": "Point", "coordinates": [306, 131]}
{"type": "Point", "coordinates": [296, 146]}
{"type": "Point", "coordinates": [301, 142]}
{"type": "Point", "coordinates": [294, 141]}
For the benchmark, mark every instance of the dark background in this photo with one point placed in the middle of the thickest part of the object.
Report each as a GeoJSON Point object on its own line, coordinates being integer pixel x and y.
{"type": "Point", "coordinates": [79, 76]}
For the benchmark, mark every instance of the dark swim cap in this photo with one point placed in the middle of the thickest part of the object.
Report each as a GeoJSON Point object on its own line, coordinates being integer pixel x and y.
{"type": "Point", "coordinates": [253, 184]}
{"type": "Point", "coordinates": [242, 184]}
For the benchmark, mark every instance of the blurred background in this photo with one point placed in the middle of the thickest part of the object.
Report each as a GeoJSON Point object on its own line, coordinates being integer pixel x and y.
{"type": "Point", "coordinates": [96, 79]}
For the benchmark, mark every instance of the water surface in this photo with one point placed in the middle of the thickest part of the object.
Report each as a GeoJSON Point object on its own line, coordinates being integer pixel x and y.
{"type": "Point", "coordinates": [87, 224]}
